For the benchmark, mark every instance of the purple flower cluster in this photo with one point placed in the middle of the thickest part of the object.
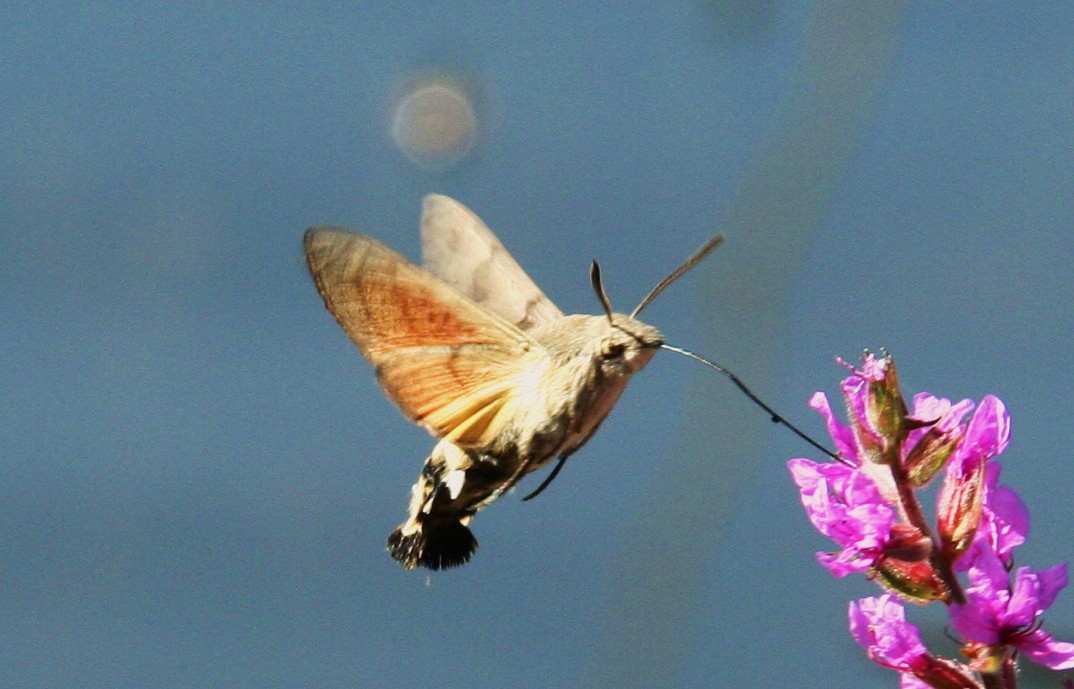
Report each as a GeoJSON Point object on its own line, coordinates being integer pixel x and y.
{"type": "Point", "coordinates": [868, 505]}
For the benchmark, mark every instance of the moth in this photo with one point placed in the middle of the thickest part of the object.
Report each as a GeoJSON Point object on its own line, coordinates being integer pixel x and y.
{"type": "Point", "coordinates": [469, 348]}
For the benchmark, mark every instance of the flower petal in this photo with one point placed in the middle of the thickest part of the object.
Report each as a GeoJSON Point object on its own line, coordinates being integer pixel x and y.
{"type": "Point", "coordinates": [974, 622]}
{"type": "Point", "coordinates": [841, 434]}
{"type": "Point", "coordinates": [1041, 648]}
{"type": "Point", "coordinates": [989, 430]}
{"type": "Point", "coordinates": [879, 625]}
{"type": "Point", "coordinates": [1033, 593]}
{"type": "Point", "coordinates": [1005, 518]}
{"type": "Point", "coordinates": [1052, 581]}
{"type": "Point", "coordinates": [846, 506]}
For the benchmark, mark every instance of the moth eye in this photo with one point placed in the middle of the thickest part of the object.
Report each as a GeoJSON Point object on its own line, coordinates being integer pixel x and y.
{"type": "Point", "coordinates": [615, 351]}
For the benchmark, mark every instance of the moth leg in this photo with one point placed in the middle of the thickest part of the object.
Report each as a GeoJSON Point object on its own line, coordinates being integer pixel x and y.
{"type": "Point", "coordinates": [507, 485]}
{"type": "Point", "coordinates": [547, 479]}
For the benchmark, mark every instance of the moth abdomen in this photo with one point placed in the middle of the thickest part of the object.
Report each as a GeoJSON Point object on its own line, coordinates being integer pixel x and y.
{"type": "Point", "coordinates": [435, 544]}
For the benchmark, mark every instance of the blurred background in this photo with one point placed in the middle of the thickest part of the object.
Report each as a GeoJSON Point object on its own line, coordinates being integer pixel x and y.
{"type": "Point", "coordinates": [199, 472]}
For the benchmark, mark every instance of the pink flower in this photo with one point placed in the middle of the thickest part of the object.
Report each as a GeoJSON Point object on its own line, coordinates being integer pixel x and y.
{"type": "Point", "coordinates": [845, 505]}
{"type": "Point", "coordinates": [937, 412]}
{"type": "Point", "coordinates": [936, 430]}
{"type": "Point", "coordinates": [1004, 521]}
{"type": "Point", "coordinates": [879, 625]}
{"type": "Point", "coordinates": [997, 613]}
{"type": "Point", "coordinates": [875, 407]}
{"type": "Point", "coordinates": [961, 507]}
{"type": "Point", "coordinates": [1005, 518]}
{"type": "Point", "coordinates": [988, 433]}
{"type": "Point", "coordinates": [868, 504]}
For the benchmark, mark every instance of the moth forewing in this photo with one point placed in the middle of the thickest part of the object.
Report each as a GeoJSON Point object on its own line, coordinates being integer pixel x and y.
{"type": "Point", "coordinates": [437, 354]}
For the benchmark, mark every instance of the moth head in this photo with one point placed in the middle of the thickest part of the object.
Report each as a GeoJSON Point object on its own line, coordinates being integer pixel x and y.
{"type": "Point", "coordinates": [626, 344]}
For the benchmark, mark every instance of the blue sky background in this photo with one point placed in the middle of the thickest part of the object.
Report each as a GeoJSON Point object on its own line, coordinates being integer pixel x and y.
{"type": "Point", "coordinates": [199, 471]}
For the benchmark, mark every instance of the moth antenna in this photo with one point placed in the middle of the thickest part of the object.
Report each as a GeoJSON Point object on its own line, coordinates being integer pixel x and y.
{"type": "Point", "coordinates": [598, 287]}
{"type": "Point", "coordinates": [776, 418]}
{"type": "Point", "coordinates": [698, 256]}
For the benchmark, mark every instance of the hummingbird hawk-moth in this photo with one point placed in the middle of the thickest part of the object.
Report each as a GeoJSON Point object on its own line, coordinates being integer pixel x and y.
{"type": "Point", "coordinates": [469, 348]}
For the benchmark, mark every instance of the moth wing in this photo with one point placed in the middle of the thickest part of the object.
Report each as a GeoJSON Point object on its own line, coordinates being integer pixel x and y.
{"type": "Point", "coordinates": [450, 365]}
{"type": "Point", "coordinates": [462, 251]}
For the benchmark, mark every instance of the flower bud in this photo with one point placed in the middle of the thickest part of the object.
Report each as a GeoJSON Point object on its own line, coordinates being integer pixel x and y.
{"type": "Point", "coordinates": [929, 455]}
{"type": "Point", "coordinates": [876, 408]}
{"type": "Point", "coordinates": [915, 580]}
{"type": "Point", "coordinates": [944, 674]}
{"type": "Point", "coordinates": [886, 409]}
{"type": "Point", "coordinates": [906, 542]}
{"type": "Point", "coordinates": [934, 430]}
{"type": "Point", "coordinates": [959, 506]}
